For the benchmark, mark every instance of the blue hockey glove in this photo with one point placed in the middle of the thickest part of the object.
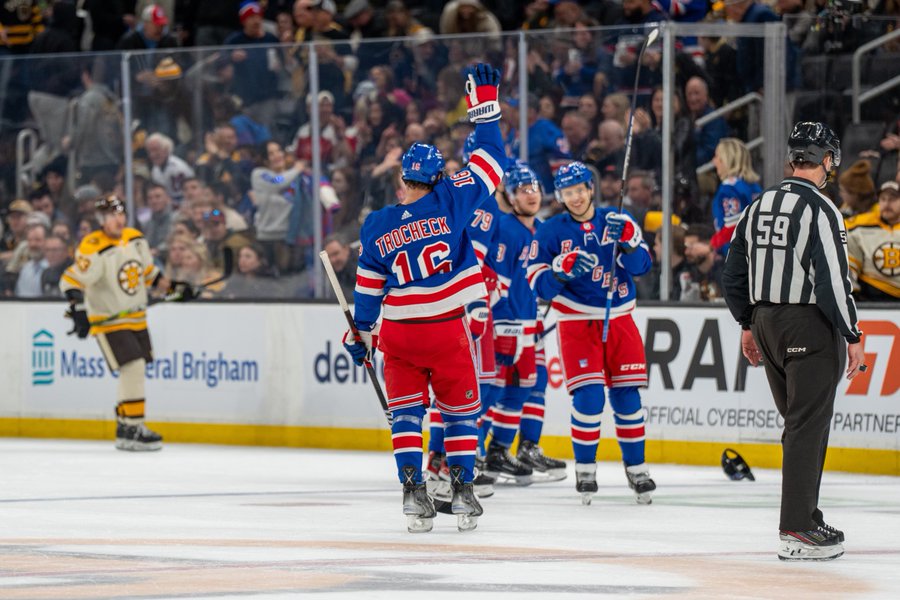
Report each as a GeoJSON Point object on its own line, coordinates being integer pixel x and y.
{"type": "Point", "coordinates": [622, 229]}
{"type": "Point", "coordinates": [572, 265]}
{"type": "Point", "coordinates": [360, 348]}
{"type": "Point", "coordinates": [482, 82]}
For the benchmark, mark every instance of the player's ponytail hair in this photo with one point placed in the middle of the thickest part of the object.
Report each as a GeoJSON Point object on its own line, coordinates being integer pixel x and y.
{"type": "Point", "coordinates": [736, 160]}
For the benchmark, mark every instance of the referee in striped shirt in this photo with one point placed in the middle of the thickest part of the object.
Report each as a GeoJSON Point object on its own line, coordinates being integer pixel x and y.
{"type": "Point", "coordinates": [787, 283]}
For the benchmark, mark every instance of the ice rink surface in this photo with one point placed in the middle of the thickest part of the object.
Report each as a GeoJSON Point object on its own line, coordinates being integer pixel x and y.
{"type": "Point", "coordinates": [81, 520]}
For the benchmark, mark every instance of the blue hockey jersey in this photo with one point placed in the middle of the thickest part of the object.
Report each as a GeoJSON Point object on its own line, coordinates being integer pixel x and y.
{"type": "Point", "coordinates": [516, 248]}
{"type": "Point", "coordinates": [732, 197]}
{"type": "Point", "coordinates": [483, 231]}
{"type": "Point", "coordinates": [585, 297]}
{"type": "Point", "coordinates": [417, 259]}
{"type": "Point", "coordinates": [546, 146]}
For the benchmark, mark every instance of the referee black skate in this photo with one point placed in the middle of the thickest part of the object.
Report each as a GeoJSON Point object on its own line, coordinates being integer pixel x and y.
{"type": "Point", "coordinates": [787, 283]}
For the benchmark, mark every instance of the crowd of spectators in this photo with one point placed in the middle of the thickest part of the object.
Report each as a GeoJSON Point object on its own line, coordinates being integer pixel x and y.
{"type": "Point", "coordinates": [222, 138]}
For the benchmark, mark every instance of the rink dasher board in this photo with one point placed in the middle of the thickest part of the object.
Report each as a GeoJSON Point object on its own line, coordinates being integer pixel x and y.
{"type": "Point", "coordinates": [276, 374]}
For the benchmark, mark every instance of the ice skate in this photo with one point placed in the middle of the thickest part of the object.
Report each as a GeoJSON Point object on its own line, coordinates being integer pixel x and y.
{"type": "Point", "coordinates": [465, 505]}
{"type": "Point", "coordinates": [586, 481]}
{"type": "Point", "coordinates": [417, 506]}
{"type": "Point", "coordinates": [505, 468]}
{"type": "Point", "coordinates": [829, 529]}
{"type": "Point", "coordinates": [137, 438]}
{"type": "Point", "coordinates": [483, 484]}
{"type": "Point", "coordinates": [816, 544]}
{"type": "Point", "coordinates": [639, 481]}
{"type": "Point", "coordinates": [543, 467]}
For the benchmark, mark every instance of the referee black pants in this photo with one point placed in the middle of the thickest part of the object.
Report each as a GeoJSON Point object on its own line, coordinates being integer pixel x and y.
{"type": "Point", "coordinates": [804, 357]}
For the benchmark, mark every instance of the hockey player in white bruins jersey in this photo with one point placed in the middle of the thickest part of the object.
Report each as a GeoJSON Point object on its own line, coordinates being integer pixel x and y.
{"type": "Point", "coordinates": [107, 287]}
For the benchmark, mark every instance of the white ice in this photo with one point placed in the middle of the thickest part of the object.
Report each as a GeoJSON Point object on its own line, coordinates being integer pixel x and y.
{"type": "Point", "coordinates": [81, 520]}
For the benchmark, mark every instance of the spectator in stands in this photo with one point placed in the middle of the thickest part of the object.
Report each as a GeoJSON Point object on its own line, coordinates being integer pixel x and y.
{"type": "Point", "coordinates": [347, 220]}
{"type": "Point", "coordinates": [273, 188]}
{"type": "Point", "coordinates": [681, 268]}
{"type": "Point", "coordinates": [857, 190]}
{"type": "Point", "coordinates": [706, 137]}
{"type": "Point", "coordinates": [609, 147]}
{"type": "Point", "coordinates": [28, 282]}
{"type": "Point", "coordinates": [470, 16]}
{"type": "Point", "coordinates": [16, 225]}
{"type": "Point", "coordinates": [639, 190]}
{"type": "Point", "coordinates": [56, 253]}
{"type": "Point", "coordinates": [110, 20]}
{"type": "Point", "coordinates": [872, 246]}
{"type": "Point", "coordinates": [706, 279]}
{"type": "Point", "coordinates": [343, 259]}
{"type": "Point", "coordinates": [382, 188]}
{"type": "Point", "coordinates": [589, 109]}
{"type": "Point", "coordinates": [363, 23]}
{"type": "Point", "coordinates": [62, 230]}
{"type": "Point", "coordinates": [218, 237]}
{"type": "Point", "coordinates": [739, 187]}
{"type": "Point", "coordinates": [197, 269]}
{"type": "Point", "coordinates": [889, 161]}
{"type": "Point", "coordinates": [720, 60]}
{"type": "Point", "coordinates": [95, 142]}
{"type": "Point", "coordinates": [85, 226]}
{"type": "Point", "coordinates": [150, 33]}
{"type": "Point", "coordinates": [575, 75]}
{"type": "Point", "coordinates": [255, 79]}
{"type": "Point", "coordinates": [610, 186]}
{"type": "Point", "coordinates": [546, 145]}
{"type": "Point", "coordinates": [42, 202]}
{"type": "Point", "coordinates": [400, 22]}
{"type": "Point", "coordinates": [54, 178]}
{"type": "Point", "coordinates": [20, 22]}
{"type": "Point", "coordinates": [615, 107]}
{"type": "Point", "coordinates": [210, 23]}
{"type": "Point", "coordinates": [59, 74]}
{"type": "Point", "coordinates": [223, 196]}
{"type": "Point", "coordinates": [577, 132]}
{"type": "Point", "coordinates": [168, 170]}
{"type": "Point", "coordinates": [750, 50]}
{"type": "Point", "coordinates": [159, 227]}
{"type": "Point", "coordinates": [85, 197]}
{"type": "Point", "coordinates": [682, 134]}
{"type": "Point", "coordinates": [222, 161]}
{"type": "Point", "coordinates": [252, 277]}
{"type": "Point", "coordinates": [335, 148]}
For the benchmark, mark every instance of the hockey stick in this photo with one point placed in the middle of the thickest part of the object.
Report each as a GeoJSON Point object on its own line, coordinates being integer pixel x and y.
{"type": "Point", "coordinates": [651, 37]}
{"type": "Point", "coordinates": [227, 264]}
{"type": "Point", "coordinates": [332, 277]}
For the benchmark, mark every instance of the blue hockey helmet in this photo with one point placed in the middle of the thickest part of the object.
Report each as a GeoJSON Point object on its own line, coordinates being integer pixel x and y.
{"type": "Point", "coordinates": [423, 163]}
{"type": "Point", "coordinates": [572, 174]}
{"type": "Point", "coordinates": [468, 147]}
{"type": "Point", "coordinates": [521, 174]}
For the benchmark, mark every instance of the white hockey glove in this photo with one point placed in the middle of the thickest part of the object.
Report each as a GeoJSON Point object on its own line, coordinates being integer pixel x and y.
{"type": "Point", "coordinates": [361, 347]}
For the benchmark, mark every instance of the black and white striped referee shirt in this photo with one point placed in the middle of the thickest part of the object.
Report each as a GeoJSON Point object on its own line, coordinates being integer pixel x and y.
{"type": "Point", "coordinates": [790, 247]}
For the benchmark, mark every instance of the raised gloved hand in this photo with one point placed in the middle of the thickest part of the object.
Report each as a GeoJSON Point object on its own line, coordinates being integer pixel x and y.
{"type": "Point", "coordinates": [574, 264]}
{"type": "Point", "coordinates": [81, 324]}
{"type": "Point", "coordinates": [478, 314]}
{"type": "Point", "coordinates": [482, 82]}
{"type": "Point", "coordinates": [181, 291]}
{"type": "Point", "coordinates": [360, 347]}
{"type": "Point", "coordinates": [622, 229]}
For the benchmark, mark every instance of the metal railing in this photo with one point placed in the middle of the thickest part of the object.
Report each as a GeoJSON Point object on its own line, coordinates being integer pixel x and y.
{"type": "Point", "coordinates": [724, 110]}
{"type": "Point", "coordinates": [858, 95]}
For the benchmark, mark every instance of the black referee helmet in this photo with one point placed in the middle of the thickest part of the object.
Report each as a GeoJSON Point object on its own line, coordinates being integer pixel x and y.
{"type": "Point", "coordinates": [811, 141]}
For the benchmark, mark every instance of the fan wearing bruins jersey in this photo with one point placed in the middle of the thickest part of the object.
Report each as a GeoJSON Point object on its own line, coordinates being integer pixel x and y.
{"type": "Point", "coordinates": [106, 287]}
{"type": "Point", "coordinates": [873, 248]}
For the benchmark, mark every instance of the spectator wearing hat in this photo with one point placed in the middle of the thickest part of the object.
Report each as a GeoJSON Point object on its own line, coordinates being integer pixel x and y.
{"type": "Point", "coordinates": [610, 185]}
{"type": "Point", "coordinates": [857, 190]}
{"type": "Point", "coordinates": [362, 23]}
{"type": "Point", "coordinates": [16, 224]}
{"type": "Point", "coordinates": [873, 247]}
{"type": "Point", "coordinates": [335, 144]}
{"type": "Point", "coordinates": [150, 33]}
{"type": "Point", "coordinates": [218, 237]}
{"type": "Point", "coordinates": [470, 16]}
{"type": "Point", "coordinates": [95, 142]}
{"type": "Point", "coordinates": [255, 79]}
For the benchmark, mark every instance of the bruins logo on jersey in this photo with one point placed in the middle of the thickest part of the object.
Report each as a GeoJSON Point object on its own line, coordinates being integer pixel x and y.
{"type": "Point", "coordinates": [130, 277]}
{"type": "Point", "coordinates": [886, 259]}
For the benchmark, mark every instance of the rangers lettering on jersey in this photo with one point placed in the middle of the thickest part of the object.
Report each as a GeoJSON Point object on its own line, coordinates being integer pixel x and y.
{"type": "Point", "coordinates": [411, 232]}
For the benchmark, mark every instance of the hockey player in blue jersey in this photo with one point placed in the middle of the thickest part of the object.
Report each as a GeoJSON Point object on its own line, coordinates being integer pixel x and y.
{"type": "Point", "coordinates": [483, 230]}
{"type": "Point", "coordinates": [515, 329]}
{"type": "Point", "coordinates": [417, 272]}
{"type": "Point", "coordinates": [574, 251]}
